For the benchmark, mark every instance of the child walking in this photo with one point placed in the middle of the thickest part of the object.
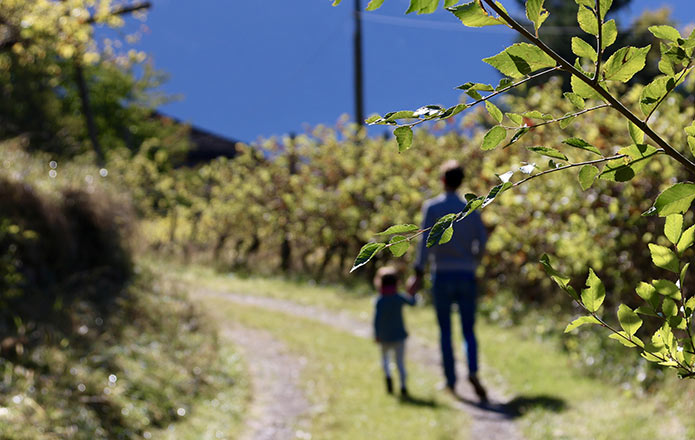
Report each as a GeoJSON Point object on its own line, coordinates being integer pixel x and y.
{"type": "Point", "coordinates": [389, 328]}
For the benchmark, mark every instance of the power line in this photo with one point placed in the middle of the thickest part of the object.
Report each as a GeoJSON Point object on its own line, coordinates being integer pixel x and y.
{"type": "Point", "coordinates": [457, 27]}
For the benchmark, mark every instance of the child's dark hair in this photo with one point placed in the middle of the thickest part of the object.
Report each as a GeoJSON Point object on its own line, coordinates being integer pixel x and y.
{"type": "Point", "coordinates": [386, 276]}
{"type": "Point", "coordinates": [452, 173]}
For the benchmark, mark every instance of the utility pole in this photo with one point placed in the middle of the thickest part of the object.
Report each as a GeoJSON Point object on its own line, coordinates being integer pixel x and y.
{"type": "Point", "coordinates": [359, 95]}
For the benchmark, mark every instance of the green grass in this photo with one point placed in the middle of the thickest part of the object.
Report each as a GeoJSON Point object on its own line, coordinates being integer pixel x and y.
{"type": "Point", "coordinates": [218, 415]}
{"type": "Point", "coordinates": [343, 380]}
{"type": "Point", "coordinates": [557, 401]}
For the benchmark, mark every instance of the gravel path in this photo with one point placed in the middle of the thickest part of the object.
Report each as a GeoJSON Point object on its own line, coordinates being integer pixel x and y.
{"type": "Point", "coordinates": [489, 422]}
{"type": "Point", "coordinates": [277, 402]}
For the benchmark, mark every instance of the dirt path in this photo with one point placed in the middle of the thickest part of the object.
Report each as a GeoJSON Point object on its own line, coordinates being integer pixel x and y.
{"type": "Point", "coordinates": [277, 403]}
{"type": "Point", "coordinates": [490, 422]}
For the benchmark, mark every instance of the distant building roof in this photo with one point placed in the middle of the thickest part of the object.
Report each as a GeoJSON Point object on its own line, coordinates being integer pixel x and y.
{"type": "Point", "coordinates": [205, 145]}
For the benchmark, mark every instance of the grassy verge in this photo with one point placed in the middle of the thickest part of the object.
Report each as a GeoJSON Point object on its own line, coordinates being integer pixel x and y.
{"type": "Point", "coordinates": [556, 400]}
{"type": "Point", "coordinates": [343, 380]}
{"type": "Point", "coordinates": [147, 366]}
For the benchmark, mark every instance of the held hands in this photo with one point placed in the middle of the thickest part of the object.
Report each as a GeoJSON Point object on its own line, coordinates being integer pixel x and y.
{"type": "Point", "coordinates": [414, 284]}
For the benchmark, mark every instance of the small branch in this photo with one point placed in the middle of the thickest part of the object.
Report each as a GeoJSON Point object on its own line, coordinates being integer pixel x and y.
{"type": "Point", "coordinates": [491, 95]}
{"type": "Point", "coordinates": [572, 165]}
{"type": "Point", "coordinates": [615, 103]}
{"type": "Point", "coordinates": [668, 92]}
{"type": "Point", "coordinates": [122, 10]}
{"type": "Point", "coordinates": [599, 42]}
{"type": "Point", "coordinates": [573, 115]}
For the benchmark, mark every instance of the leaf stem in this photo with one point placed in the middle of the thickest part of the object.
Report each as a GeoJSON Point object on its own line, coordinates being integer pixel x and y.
{"type": "Point", "coordinates": [615, 103]}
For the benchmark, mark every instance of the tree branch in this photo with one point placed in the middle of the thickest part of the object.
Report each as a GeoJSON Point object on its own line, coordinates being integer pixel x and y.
{"type": "Point", "coordinates": [122, 10]}
{"type": "Point", "coordinates": [615, 103]}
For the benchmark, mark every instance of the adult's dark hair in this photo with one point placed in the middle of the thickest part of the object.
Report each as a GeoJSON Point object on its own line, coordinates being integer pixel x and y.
{"type": "Point", "coordinates": [452, 173]}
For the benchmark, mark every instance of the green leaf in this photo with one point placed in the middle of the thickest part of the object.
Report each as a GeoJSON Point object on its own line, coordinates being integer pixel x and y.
{"type": "Point", "coordinates": [404, 137]}
{"type": "Point", "coordinates": [576, 100]}
{"type": "Point", "coordinates": [439, 228]}
{"type": "Point", "coordinates": [605, 5]}
{"type": "Point", "coordinates": [625, 63]}
{"type": "Point", "coordinates": [536, 13]}
{"type": "Point", "coordinates": [374, 4]}
{"type": "Point", "coordinates": [587, 175]}
{"type": "Point", "coordinates": [667, 288]}
{"type": "Point", "coordinates": [564, 123]}
{"type": "Point", "coordinates": [673, 228]}
{"type": "Point", "coordinates": [581, 144]}
{"type": "Point", "coordinates": [515, 118]}
{"type": "Point", "coordinates": [366, 253]}
{"type": "Point", "coordinates": [422, 6]}
{"type": "Point", "coordinates": [594, 294]}
{"type": "Point", "coordinates": [372, 119]}
{"type": "Point", "coordinates": [560, 279]}
{"type": "Point", "coordinates": [654, 92]}
{"type": "Point", "coordinates": [476, 86]}
{"type": "Point", "coordinates": [474, 15]}
{"type": "Point", "coordinates": [548, 152]}
{"type": "Point", "coordinates": [665, 32]}
{"type": "Point", "coordinates": [447, 235]}
{"type": "Point", "coordinates": [520, 60]}
{"type": "Point", "coordinates": [495, 112]}
{"type": "Point", "coordinates": [493, 138]}
{"type": "Point", "coordinates": [517, 135]}
{"type": "Point", "coordinates": [686, 240]}
{"type": "Point", "coordinates": [636, 134]}
{"type": "Point", "coordinates": [691, 144]}
{"type": "Point", "coordinates": [622, 170]}
{"type": "Point", "coordinates": [684, 272]}
{"type": "Point", "coordinates": [402, 114]}
{"type": "Point", "coordinates": [627, 340]}
{"type": "Point", "coordinates": [629, 320]}
{"type": "Point", "coordinates": [610, 33]}
{"type": "Point", "coordinates": [587, 20]}
{"type": "Point", "coordinates": [583, 49]}
{"type": "Point", "coordinates": [648, 293]}
{"type": "Point", "coordinates": [664, 258]}
{"type": "Point", "coordinates": [399, 245]}
{"type": "Point", "coordinates": [399, 229]}
{"type": "Point", "coordinates": [581, 321]}
{"type": "Point", "coordinates": [494, 192]}
{"type": "Point", "coordinates": [669, 307]}
{"type": "Point", "coordinates": [675, 200]}
{"type": "Point", "coordinates": [581, 88]}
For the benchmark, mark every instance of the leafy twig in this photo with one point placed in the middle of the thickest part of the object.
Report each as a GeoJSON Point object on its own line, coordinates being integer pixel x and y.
{"type": "Point", "coordinates": [615, 103]}
{"type": "Point", "coordinates": [572, 165]}
{"type": "Point", "coordinates": [668, 92]}
{"type": "Point", "coordinates": [573, 115]}
{"type": "Point", "coordinates": [491, 95]}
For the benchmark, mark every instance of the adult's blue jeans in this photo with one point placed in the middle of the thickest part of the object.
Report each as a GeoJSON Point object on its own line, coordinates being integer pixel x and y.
{"type": "Point", "coordinates": [450, 288]}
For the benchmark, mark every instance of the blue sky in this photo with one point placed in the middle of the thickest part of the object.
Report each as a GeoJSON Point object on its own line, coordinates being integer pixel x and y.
{"type": "Point", "coordinates": [252, 69]}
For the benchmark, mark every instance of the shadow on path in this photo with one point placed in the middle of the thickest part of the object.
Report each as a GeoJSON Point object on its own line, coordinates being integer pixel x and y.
{"type": "Point", "coordinates": [518, 406]}
{"type": "Point", "coordinates": [416, 401]}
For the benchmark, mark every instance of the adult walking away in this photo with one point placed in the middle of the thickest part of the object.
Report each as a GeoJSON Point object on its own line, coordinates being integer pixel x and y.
{"type": "Point", "coordinates": [452, 267]}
